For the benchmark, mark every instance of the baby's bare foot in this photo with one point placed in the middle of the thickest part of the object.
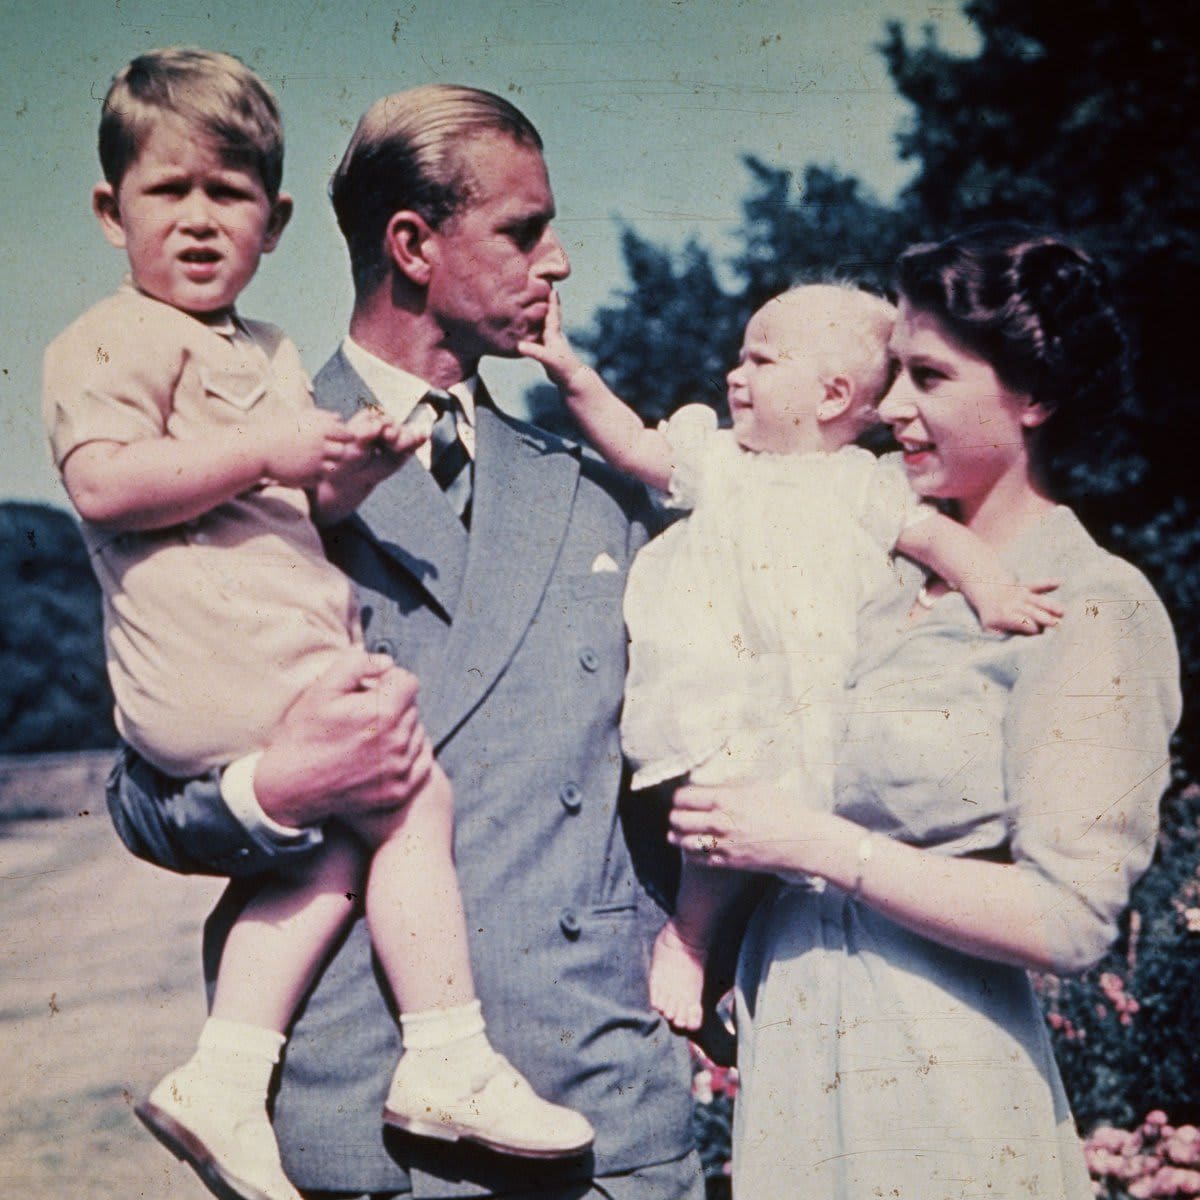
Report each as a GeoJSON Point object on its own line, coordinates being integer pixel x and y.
{"type": "Point", "coordinates": [677, 978]}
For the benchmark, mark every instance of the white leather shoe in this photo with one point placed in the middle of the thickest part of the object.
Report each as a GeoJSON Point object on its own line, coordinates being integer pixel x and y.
{"type": "Point", "coordinates": [496, 1108]}
{"type": "Point", "coordinates": [231, 1147]}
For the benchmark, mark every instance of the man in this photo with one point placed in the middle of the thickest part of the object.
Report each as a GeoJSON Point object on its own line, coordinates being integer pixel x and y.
{"type": "Point", "coordinates": [499, 586]}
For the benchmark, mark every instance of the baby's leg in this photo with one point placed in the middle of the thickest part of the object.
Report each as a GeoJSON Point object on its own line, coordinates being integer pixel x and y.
{"type": "Point", "coordinates": [450, 1083]}
{"type": "Point", "coordinates": [212, 1111]}
{"type": "Point", "coordinates": [681, 949]}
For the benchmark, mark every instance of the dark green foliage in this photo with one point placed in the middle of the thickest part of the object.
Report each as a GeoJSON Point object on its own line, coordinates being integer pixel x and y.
{"type": "Point", "coordinates": [54, 693]}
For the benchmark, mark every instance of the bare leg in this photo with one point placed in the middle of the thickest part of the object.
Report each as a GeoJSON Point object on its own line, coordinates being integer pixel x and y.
{"type": "Point", "coordinates": [414, 906]}
{"type": "Point", "coordinates": [681, 949]}
{"type": "Point", "coordinates": [282, 937]}
{"type": "Point", "coordinates": [450, 1083]}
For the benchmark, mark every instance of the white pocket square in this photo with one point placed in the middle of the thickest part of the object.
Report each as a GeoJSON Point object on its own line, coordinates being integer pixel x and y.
{"type": "Point", "coordinates": [604, 562]}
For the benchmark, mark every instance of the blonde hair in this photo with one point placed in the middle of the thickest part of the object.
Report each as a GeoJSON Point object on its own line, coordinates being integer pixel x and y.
{"type": "Point", "coordinates": [406, 153]}
{"type": "Point", "coordinates": [853, 329]}
{"type": "Point", "coordinates": [213, 93]}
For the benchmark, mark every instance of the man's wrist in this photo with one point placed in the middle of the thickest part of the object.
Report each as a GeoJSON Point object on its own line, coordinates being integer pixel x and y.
{"type": "Point", "coordinates": [238, 792]}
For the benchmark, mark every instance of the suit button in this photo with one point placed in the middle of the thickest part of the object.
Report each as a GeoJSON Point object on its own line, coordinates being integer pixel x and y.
{"type": "Point", "coordinates": [589, 658]}
{"type": "Point", "coordinates": [384, 646]}
{"type": "Point", "coordinates": [571, 797]}
{"type": "Point", "coordinates": [568, 922]}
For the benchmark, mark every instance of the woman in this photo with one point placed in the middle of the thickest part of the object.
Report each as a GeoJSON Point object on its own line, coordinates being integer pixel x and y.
{"type": "Point", "coordinates": [996, 796]}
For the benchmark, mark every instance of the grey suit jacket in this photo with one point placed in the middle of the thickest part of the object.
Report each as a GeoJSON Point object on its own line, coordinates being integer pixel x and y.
{"type": "Point", "coordinates": [516, 634]}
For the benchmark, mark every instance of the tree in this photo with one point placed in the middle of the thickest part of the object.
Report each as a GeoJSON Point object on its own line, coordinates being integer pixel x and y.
{"type": "Point", "coordinates": [54, 692]}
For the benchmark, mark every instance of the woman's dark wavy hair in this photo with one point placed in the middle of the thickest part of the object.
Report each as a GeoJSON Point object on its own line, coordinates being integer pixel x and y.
{"type": "Point", "coordinates": [1040, 311]}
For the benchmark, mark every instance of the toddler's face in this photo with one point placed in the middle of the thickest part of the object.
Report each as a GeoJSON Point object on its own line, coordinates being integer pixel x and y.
{"type": "Point", "coordinates": [774, 390]}
{"type": "Point", "coordinates": [193, 224]}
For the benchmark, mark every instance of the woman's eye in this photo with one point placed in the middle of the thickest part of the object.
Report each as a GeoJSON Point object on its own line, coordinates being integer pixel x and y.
{"type": "Point", "coordinates": [924, 377]}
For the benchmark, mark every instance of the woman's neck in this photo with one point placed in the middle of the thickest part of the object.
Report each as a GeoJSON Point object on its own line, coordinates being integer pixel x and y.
{"type": "Point", "coordinates": [1014, 502]}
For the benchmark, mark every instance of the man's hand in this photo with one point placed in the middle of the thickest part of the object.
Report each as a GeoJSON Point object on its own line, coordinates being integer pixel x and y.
{"type": "Point", "coordinates": [352, 742]}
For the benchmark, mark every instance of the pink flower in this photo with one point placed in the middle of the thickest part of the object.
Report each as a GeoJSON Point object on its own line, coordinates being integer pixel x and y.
{"type": "Point", "coordinates": [1183, 1147]}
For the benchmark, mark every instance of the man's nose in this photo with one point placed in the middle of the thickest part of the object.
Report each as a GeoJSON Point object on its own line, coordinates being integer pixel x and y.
{"type": "Point", "coordinates": [553, 263]}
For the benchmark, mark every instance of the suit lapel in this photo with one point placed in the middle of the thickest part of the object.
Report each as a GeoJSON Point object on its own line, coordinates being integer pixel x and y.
{"type": "Point", "coordinates": [407, 514]}
{"type": "Point", "coordinates": [525, 483]}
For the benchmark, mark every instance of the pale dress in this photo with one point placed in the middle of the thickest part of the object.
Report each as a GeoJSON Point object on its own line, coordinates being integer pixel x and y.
{"type": "Point", "coordinates": [742, 616]}
{"type": "Point", "coordinates": [877, 1063]}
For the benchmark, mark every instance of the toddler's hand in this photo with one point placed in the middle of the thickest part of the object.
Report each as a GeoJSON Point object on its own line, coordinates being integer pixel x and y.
{"type": "Point", "coordinates": [305, 448]}
{"type": "Point", "coordinates": [1007, 607]}
{"type": "Point", "coordinates": [554, 352]}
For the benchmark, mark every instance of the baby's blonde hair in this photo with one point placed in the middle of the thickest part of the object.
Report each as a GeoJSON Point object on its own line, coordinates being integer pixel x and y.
{"type": "Point", "coordinates": [853, 334]}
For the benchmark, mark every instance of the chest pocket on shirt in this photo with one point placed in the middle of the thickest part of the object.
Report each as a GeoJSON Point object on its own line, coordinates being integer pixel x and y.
{"type": "Point", "coordinates": [240, 391]}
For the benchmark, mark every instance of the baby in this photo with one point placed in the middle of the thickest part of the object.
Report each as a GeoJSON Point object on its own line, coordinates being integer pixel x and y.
{"type": "Point", "coordinates": [188, 441]}
{"type": "Point", "coordinates": [742, 617]}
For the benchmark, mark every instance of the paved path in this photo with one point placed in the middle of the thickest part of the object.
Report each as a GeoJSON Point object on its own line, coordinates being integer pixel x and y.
{"type": "Point", "coordinates": [100, 993]}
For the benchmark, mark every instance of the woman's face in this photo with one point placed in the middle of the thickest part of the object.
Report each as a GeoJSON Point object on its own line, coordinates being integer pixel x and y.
{"type": "Point", "coordinates": [961, 430]}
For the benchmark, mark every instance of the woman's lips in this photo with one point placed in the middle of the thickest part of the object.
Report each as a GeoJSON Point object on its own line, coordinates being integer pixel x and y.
{"type": "Point", "coordinates": [916, 453]}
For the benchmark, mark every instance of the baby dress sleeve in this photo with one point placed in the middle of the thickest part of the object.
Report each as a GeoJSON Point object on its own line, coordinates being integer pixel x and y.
{"type": "Point", "coordinates": [889, 504]}
{"type": "Point", "coordinates": [694, 438]}
{"type": "Point", "coordinates": [1086, 738]}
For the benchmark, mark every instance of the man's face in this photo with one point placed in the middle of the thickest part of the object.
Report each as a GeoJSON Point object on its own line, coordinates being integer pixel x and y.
{"type": "Point", "coordinates": [496, 262]}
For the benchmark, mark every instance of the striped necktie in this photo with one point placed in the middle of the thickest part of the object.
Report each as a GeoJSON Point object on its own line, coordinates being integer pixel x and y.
{"type": "Point", "coordinates": [449, 462]}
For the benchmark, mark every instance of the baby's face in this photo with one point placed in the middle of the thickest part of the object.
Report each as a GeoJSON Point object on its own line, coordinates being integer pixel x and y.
{"type": "Point", "coordinates": [774, 390]}
{"type": "Point", "coordinates": [193, 224]}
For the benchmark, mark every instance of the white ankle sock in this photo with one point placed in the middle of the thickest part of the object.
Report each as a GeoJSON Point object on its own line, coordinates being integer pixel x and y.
{"type": "Point", "coordinates": [446, 1044]}
{"type": "Point", "coordinates": [242, 1056]}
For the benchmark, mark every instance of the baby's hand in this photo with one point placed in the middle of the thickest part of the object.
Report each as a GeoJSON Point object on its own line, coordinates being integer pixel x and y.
{"type": "Point", "coordinates": [377, 436]}
{"type": "Point", "coordinates": [554, 352]}
{"type": "Point", "coordinates": [301, 450]}
{"type": "Point", "coordinates": [376, 447]}
{"type": "Point", "coordinates": [1011, 607]}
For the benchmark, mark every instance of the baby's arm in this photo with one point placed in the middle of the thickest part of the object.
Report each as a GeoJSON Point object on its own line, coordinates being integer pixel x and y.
{"type": "Point", "coordinates": [610, 424]}
{"type": "Point", "coordinates": [966, 562]}
{"type": "Point", "coordinates": [152, 483]}
{"type": "Point", "coordinates": [378, 447]}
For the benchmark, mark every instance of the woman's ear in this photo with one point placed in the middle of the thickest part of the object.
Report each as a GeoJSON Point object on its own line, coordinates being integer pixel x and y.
{"type": "Point", "coordinates": [839, 395]}
{"type": "Point", "coordinates": [1034, 413]}
{"type": "Point", "coordinates": [408, 241]}
{"type": "Point", "coordinates": [108, 213]}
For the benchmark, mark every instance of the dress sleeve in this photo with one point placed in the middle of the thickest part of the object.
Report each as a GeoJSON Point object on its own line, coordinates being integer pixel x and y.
{"type": "Point", "coordinates": [889, 505]}
{"type": "Point", "coordinates": [1087, 755]}
{"type": "Point", "coordinates": [693, 435]}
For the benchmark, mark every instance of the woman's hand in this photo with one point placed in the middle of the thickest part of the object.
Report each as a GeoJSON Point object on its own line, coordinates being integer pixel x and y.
{"type": "Point", "coordinates": [752, 827]}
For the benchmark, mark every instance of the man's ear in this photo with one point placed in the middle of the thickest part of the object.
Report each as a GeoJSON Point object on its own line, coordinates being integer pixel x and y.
{"type": "Point", "coordinates": [108, 213]}
{"type": "Point", "coordinates": [1034, 413]}
{"type": "Point", "coordinates": [839, 395]}
{"type": "Point", "coordinates": [408, 243]}
{"type": "Point", "coordinates": [281, 214]}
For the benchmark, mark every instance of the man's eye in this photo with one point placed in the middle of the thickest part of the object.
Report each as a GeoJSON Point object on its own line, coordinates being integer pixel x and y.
{"type": "Point", "coordinates": [528, 235]}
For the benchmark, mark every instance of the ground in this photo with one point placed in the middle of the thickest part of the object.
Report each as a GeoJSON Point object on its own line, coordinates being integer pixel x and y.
{"type": "Point", "coordinates": [100, 993]}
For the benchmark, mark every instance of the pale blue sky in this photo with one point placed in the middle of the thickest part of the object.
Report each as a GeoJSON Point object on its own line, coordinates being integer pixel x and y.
{"type": "Point", "coordinates": [646, 108]}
